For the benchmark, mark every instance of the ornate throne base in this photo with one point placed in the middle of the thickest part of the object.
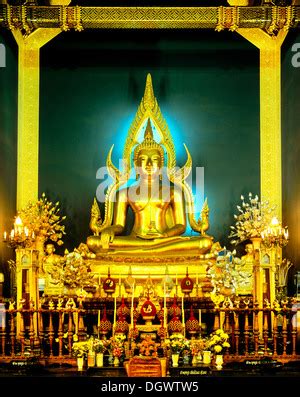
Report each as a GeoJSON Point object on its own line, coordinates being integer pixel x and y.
{"type": "Point", "coordinates": [156, 268]}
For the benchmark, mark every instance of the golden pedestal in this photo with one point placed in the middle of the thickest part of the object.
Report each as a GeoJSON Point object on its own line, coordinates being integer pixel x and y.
{"type": "Point", "coordinates": [156, 268]}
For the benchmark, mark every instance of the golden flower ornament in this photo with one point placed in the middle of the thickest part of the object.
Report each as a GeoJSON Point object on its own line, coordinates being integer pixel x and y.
{"type": "Point", "coordinates": [254, 216]}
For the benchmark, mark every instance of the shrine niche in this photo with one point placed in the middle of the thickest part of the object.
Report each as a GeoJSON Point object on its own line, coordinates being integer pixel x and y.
{"type": "Point", "coordinates": [161, 199]}
{"type": "Point", "coordinates": [174, 299]}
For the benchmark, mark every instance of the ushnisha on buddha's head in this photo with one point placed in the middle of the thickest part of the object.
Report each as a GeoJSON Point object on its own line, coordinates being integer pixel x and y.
{"type": "Point", "coordinates": [148, 155]}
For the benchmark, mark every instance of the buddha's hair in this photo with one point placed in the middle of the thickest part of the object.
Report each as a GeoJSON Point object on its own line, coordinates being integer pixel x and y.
{"type": "Point", "coordinates": [148, 143]}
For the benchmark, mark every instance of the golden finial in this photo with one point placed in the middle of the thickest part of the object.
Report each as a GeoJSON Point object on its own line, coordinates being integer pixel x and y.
{"type": "Point", "coordinates": [149, 98]}
{"type": "Point", "coordinates": [148, 131]}
{"type": "Point", "coordinates": [12, 305]}
{"type": "Point", "coordinates": [51, 305]}
{"type": "Point", "coordinates": [60, 304]}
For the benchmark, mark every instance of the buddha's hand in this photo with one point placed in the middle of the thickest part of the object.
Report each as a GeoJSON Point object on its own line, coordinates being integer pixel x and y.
{"type": "Point", "coordinates": [152, 236]}
{"type": "Point", "coordinates": [107, 236]}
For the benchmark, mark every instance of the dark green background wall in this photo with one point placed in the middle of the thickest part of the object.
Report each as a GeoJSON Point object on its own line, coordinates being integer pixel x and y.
{"type": "Point", "coordinates": [207, 87]}
{"type": "Point", "coordinates": [92, 83]}
{"type": "Point", "coordinates": [8, 145]}
{"type": "Point", "coordinates": [291, 147]}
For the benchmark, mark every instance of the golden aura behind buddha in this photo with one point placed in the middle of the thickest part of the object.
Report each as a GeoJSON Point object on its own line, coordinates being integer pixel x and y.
{"type": "Point", "coordinates": [162, 203]}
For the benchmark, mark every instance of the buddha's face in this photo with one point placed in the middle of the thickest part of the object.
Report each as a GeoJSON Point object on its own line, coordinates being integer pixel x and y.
{"type": "Point", "coordinates": [149, 163]}
{"type": "Point", "coordinates": [249, 249]}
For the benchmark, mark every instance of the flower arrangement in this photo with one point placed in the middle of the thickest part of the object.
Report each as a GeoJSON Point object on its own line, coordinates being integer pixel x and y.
{"type": "Point", "coordinates": [197, 346]}
{"type": "Point", "coordinates": [44, 220]}
{"type": "Point", "coordinates": [148, 347]}
{"type": "Point", "coordinates": [76, 272]}
{"type": "Point", "coordinates": [99, 345]}
{"type": "Point", "coordinates": [116, 345]}
{"type": "Point", "coordinates": [81, 349]}
{"type": "Point", "coordinates": [176, 343]}
{"type": "Point", "coordinates": [225, 273]}
{"type": "Point", "coordinates": [217, 341]}
{"type": "Point", "coordinates": [252, 219]}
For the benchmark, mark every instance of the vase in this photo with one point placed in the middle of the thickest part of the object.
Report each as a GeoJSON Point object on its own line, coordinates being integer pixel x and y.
{"type": "Point", "coordinates": [194, 360]}
{"type": "Point", "coordinates": [175, 359]}
{"type": "Point", "coordinates": [91, 359]}
{"type": "Point", "coordinates": [206, 357]}
{"type": "Point", "coordinates": [80, 362]}
{"type": "Point", "coordinates": [39, 244]}
{"type": "Point", "coordinates": [186, 359]}
{"type": "Point", "coordinates": [116, 361]}
{"type": "Point", "coordinates": [110, 359]}
{"type": "Point", "coordinates": [199, 358]}
{"type": "Point", "coordinates": [99, 359]}
{"type": "Point", "coordinates": [219, 361]}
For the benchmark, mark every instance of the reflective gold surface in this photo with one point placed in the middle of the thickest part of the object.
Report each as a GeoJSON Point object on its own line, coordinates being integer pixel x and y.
{"type": "Point", "coordinates": [158, 201]}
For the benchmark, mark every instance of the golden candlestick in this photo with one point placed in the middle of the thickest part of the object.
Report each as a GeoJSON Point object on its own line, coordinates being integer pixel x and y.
{"type": "Point", "coordinates": [19, 236]}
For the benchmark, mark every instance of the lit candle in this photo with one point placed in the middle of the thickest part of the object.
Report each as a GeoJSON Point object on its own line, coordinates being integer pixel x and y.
{"type": "Point", "coordinates": [18, 225]}
{"type": "Point", "coordinates": [182, 308]}
{"type": "Point", "coordinates": [115, 314]}
{"type": "Point", "coordinates": [197, 279]}
{"type": "Point", "coordinates": [76, 322]}
{"type": "Point", "coordinates": [98, 318]}
{"type": "Point", "coordinates": [183, 320]}
{"type": "Point", "coordinates": [12, 234]}
{"type": "Point", "coordinates": [132, 301]}
{"type": "Point", "coordinates": [165, 305]}
{"type": "Point", "coordinates": [4, 236]}
{"type": "Point", "coordinates": [200, 319]}
{"type": "Point", "coordinates": [120, 285]}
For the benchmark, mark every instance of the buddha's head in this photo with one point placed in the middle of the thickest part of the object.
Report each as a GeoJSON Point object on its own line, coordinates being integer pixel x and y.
{"type": "Point", "coordinates": [148, 155]}
{"type": "Point", "coordinates": [249, 249]}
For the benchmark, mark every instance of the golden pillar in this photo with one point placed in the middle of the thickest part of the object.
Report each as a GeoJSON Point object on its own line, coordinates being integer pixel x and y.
{"type": "Point", "coordinates": [270, 113]}
{"type": "Point", "coordinates": [28, 112]}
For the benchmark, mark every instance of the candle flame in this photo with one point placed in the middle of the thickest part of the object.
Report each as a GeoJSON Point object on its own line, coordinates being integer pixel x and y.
{"type": "Point", "coordinates": [18, 221]}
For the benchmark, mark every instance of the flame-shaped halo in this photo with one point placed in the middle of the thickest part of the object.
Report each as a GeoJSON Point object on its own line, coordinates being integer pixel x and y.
{"type": "Point", "coordinates": [180, 174]}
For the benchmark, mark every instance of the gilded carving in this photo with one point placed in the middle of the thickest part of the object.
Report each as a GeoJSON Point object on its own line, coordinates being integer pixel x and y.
{"type": "Point", "coordinates": [74, 17]}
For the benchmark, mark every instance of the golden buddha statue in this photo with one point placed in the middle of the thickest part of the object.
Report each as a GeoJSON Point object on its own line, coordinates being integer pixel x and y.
{"type": "Point", "coordinates": [159, 208]}
{"type": "Point", "coordinates": [249, 256]}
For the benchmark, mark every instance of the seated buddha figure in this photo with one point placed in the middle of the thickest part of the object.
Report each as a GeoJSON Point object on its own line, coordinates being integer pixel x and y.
{"type": "Point", "coordinates": [159, 212]}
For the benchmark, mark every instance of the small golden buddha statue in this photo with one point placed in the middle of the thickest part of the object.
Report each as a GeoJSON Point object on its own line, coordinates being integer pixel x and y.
{"type": "Point", "coordinates": [248, 258]}
{"type": "Point", "coordinates": [52, 265]}
{"type": "Point", "coordinates": [159, 210]}
{"type": "Point", "coordinates": [51, 261]}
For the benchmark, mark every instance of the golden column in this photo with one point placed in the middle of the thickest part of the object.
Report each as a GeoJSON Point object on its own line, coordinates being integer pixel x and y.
{"type": "Point", "coordinates": [28, 112]}
{"type": "Point", "coordinates": [28, 106]}
{"type": "Point", "coordinates": [270, 113]}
